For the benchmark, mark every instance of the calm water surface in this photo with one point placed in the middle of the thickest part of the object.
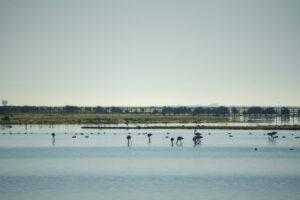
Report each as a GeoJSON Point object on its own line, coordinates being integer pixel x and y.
{"type": "Point", "coordinates": [103, 167]}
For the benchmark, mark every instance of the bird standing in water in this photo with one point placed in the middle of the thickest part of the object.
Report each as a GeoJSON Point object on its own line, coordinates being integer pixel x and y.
{"type": "Point", "coordinates": [172, 141]}
{"type": "Point", "coordinates": [53, 138]}
{"type": "Point", "coordinates": [197, 139]}
{"type": "Point", "coordinates": [149, 137]}
{"type": "Point", "coordinates": [179, 140]}
{"type": "Point", "coordinates": [128, 140]}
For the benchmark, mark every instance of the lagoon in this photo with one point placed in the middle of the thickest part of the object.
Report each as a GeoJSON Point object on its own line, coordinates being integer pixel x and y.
{"type": "Point", "coordinates": [103, 167]}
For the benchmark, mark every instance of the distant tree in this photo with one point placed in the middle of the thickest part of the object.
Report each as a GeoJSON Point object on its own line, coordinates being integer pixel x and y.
{"type": "Point", "coordinates": [155, 112]}
{"type": "Point", "coordinates": [198, 111]}
{"type": "Point", "coordinates": [181, 110]}
{"type": "Point", "coordinates": [28, 109]}
{"type": "Point", "coordinates": [269, 111]}
{"type": "Point", "coordinates": [4, 102]}
{"type": "Point", "coordinates": [234, 111]}
{"type": "Point", "coordinates": [4, 110]}
{"type": "Point", "coordinates": [167, 110]}
{"type": "Point", "coordinates": [116, 110]}
{"type": "Point", "coordinates": [221, 110]}
{"type": "Point", "coordinates": [99, 109]}
{"type": "Point", "coordinates": [88, 109]}
{"type": "Point", "coordinates": [211, 110]}
{"type": "Point", "coordinates": [255, 111]}
{"type": "Point", "coordinates": [71, 109]}
{"type": "Point", "coordinates": [285, 111]}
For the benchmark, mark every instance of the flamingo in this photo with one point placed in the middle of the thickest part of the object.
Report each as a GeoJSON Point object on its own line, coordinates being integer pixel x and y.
{"type": "Point", "coordinates": [53, 138]}
{"type": "Point", "coordinates": [172, 141]}
{"type": "Point", "coordinates": [128, 140]}
{"type": "Point", "coordinates": [197, 139]}
{"type": "Point", "coordinates": [272, 134]}
{"type": "Point", "coordinates": [149, 137]}
{"type": "Point", "coordinates": [179, 139]}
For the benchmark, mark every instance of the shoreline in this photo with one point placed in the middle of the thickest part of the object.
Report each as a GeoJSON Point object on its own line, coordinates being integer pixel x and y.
{"type": "Point", "coordinates": [264, 127]}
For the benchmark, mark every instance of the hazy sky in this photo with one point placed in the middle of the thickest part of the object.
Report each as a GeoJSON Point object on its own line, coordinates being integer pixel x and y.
{"type": "Point", "coordinates": [154, 52]}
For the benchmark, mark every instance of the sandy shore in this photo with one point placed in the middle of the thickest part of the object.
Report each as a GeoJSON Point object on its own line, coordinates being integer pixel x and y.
{"type": "Point", "coordinates": [259, 127]}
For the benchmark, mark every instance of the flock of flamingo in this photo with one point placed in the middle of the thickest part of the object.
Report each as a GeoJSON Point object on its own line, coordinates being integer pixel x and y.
{"type": "Point", "coordinates": [196, 138]}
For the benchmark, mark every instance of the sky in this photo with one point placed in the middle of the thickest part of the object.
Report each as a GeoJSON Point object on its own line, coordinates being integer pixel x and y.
{"type": "Point", "coordinates": [150, 52]}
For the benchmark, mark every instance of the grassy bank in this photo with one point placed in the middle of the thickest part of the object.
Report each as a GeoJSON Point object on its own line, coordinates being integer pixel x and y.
{"type": "Point", "coordinates": [96, 120]}
{"type": "Point", "coordinates": [112, 119]}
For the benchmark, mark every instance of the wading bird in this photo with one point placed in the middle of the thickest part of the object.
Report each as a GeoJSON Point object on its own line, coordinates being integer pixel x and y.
{"type": "Point", "coordinates": [179, 140]}
{"type": "Point", "coordinates": [128, 140]}
{"type": "Point", "coordinates": [197, 139]}
{"type": "Point", "coordinates": [149, 137]}
{"type": "Point", "coordinates": [172, 141]}
{"type": "Point", "coordinates": [272, 134]}
{"type": "Point", "coordinates": [53, 138]}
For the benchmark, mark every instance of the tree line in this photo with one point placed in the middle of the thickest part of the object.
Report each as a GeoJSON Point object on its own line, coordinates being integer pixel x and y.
{"type": "Point", "coordinates": [166, 110]}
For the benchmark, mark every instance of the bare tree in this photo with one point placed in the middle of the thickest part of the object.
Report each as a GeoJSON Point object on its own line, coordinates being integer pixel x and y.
{"type": "Point", "coordinates": [4, 102]}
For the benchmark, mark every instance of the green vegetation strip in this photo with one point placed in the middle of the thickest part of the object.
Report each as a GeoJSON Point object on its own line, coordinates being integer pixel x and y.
{"type": "Point", "coordinates": [35, 118]}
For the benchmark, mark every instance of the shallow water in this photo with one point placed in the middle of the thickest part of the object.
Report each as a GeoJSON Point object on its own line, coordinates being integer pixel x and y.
{"type": "Point", "coordinates": [103, 167]}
